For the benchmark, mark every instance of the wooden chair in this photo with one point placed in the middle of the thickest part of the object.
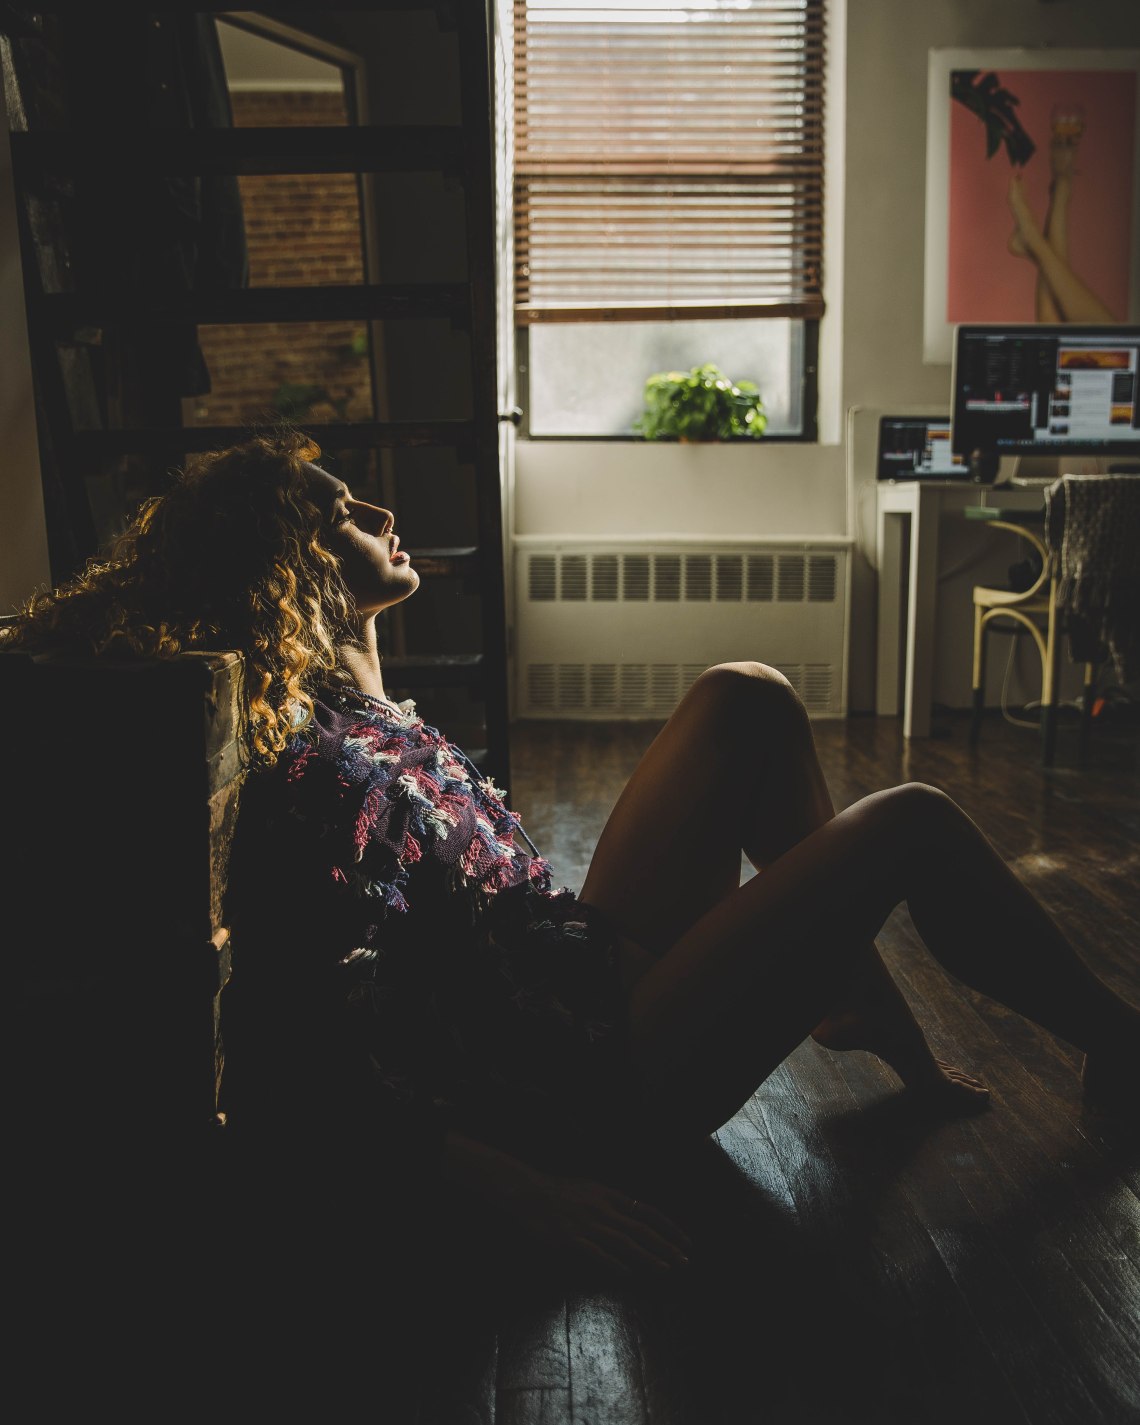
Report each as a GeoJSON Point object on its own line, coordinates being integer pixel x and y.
{"type": "Point", "coordinates": [1033, 609]}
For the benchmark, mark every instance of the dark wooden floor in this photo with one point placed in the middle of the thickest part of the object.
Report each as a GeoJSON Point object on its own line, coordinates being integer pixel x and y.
{"type": "Point", "coordinates": [854, 1262]}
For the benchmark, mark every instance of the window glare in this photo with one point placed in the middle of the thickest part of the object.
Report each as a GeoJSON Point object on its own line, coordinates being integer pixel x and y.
{"type": "Point", "coordinates": [656, 10]}
{"type": "Point", "coordinates": [588, 378]}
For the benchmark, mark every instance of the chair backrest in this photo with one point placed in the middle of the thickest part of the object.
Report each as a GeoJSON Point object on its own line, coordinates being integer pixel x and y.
{"type": "Point", "coordinates": [1093, 531]}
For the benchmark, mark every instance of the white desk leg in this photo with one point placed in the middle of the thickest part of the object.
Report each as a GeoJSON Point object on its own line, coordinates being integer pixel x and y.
{"type": "Point", "coordinates": [889, 540]}
{"type": "Point", "coordinates": [920, 628]}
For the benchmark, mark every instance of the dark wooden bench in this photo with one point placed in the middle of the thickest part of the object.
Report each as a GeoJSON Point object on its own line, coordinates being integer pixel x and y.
{"type": "Point", "coordinates": [120, 801]}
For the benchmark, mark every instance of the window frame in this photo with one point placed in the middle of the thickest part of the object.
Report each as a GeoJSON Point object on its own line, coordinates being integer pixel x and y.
{"type": "Point", "coordinates": [809, 370]}
{"type": "Point", "coordinates": [809, 384]}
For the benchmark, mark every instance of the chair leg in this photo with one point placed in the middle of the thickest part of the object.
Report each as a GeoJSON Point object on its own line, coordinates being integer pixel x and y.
{"type": "Point", "coordinates": [979, 675]}
{"type": "Point", "coordinates": [1049, 682]}
{"type": "Point", "coordinates": [1048, 734]}
{"type": "Point", "coordinates": [1087, 698]}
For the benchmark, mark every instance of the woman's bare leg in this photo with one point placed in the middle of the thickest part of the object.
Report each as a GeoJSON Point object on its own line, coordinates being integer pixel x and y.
{"type": "Point", "coordinates": [1055, 229]}
{"type": "Point", "coordinates": [1072, 299]}
{"type": "Point", "coordinates": [736, 768]}
{"type": "Point", "coordinates": [1056, 233]}
{"type": "Point", "coordinates": [1062, 165]}
{"type": "Point", "coordinates": [747, 982]}
{"type": "Point", "coordinates": [1060, 295]}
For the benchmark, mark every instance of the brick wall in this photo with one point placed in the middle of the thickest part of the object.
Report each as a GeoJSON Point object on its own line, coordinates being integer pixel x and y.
{"type": "Point", "coordinates": [302, 230]}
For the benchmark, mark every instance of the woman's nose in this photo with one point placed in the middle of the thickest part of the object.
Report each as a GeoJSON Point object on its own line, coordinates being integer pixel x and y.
{"type": "Point", "coordinates": [376, 516]}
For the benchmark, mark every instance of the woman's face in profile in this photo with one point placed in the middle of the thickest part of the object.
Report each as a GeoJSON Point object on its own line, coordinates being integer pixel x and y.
{"type": "Point", "coordinates": [376, 572]}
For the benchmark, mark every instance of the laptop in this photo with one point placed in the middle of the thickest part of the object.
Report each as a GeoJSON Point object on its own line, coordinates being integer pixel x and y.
{"type": "Point", "coordinates": [918, 448]}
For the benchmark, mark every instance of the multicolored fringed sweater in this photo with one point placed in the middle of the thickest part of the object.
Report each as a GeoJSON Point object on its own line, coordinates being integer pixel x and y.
{"type": "Point", "coordinates": [399, 956]}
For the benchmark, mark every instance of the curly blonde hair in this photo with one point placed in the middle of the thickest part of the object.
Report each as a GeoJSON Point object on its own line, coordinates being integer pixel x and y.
{"type": "Point", "coordinates": [231, 557]}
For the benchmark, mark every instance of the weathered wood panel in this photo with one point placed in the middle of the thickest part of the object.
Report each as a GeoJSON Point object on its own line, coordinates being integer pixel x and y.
{"type": "Point", "coordinates": [122, 801]}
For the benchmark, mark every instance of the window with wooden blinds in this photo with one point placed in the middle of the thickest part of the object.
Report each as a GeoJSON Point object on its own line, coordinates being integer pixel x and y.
{"type": "Point", "coordinates": [668, 159]}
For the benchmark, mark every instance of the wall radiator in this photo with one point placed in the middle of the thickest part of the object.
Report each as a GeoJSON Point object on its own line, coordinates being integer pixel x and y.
{"type": "Point", "coordinates": [608, 630]}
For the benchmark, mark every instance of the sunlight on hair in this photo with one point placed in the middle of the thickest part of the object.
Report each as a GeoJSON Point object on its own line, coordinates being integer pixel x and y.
{"type": "Point", "coordinates": [230, 558]}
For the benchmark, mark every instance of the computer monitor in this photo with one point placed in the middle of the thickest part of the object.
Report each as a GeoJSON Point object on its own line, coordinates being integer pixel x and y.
{"type": "Point", "coordinates": [918, 448]}
{"type": "Point", "coordinates": [1046, 390]}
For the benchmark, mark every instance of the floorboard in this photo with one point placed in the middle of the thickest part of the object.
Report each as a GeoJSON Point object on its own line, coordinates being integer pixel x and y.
{"type": "Point", "coordinates": [853, 1261]}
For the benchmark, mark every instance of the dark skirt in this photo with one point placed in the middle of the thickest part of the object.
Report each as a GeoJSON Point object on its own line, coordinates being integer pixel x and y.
{"type": "Point", "coordinates": [542, 1024]}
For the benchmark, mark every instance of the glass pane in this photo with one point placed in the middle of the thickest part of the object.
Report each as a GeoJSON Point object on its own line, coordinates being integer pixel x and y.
{"type": "Point", "coordinates": [588, 378]}
{"type": "Point", "coordinates": [295, 371]}
{"type": "Point", "coordinates": [301, 229]}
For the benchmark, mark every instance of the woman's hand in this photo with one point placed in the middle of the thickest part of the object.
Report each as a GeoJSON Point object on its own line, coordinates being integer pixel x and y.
{"type": "Point", "coordinates": [585, 1223]}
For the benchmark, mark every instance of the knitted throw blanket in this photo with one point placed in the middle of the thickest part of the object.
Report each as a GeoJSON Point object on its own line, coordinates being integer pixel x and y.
{"type": "Point", "coordinates": [1093, 531]}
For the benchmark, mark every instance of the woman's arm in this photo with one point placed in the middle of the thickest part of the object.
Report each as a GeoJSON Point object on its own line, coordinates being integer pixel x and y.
{"type": "Point", "coordinates": [576, 1219]}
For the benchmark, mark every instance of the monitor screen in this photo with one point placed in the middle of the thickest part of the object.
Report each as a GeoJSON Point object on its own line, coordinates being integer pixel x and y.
{"type": "Point", "coordinates": [1047, 390]}
{"type": "Point", "coordinates": [918, 448]}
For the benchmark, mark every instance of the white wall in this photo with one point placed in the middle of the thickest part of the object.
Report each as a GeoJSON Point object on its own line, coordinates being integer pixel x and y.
{"type": "Point", "coordinates": [253, 62]}
{"type": "Point", "coordinates": [872, 334]}
{"type": "Point", "coordinates": [627, 487]}
{"type": "Point", "coordinates": [23, 537]}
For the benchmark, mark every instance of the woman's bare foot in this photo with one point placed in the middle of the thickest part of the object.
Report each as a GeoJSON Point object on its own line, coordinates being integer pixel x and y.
{"type": "Point", "coordinates": [1068, 125]}
{"type": "Point", "coordinates": [905, 1050]}
{"type": "Point", "coordinates": [951, 1089]}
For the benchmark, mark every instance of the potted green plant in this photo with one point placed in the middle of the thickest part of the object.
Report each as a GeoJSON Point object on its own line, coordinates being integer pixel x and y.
{"type": "Point", "coordinates": [700, 404]}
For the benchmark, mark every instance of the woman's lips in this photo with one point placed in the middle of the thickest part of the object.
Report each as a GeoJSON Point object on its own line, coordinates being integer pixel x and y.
{"type": "Point", "coordinates": [399, 558]}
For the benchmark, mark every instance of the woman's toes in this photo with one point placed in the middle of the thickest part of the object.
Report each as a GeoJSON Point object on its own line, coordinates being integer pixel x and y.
{"type": "Point", "coordinates": [960, 1076]}
{"type": "Point", "coordinates": [954, 1090]}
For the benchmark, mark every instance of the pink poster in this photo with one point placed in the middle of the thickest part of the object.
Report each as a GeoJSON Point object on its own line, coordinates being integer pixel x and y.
{"type": "Point", "coordinates": [1041, 228]}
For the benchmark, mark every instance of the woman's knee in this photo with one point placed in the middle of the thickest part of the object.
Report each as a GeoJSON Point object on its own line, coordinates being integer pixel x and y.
{"type": "Point", "coordinates": [919, 808]}
{"type": "Point", "coordinates": [754, 695]}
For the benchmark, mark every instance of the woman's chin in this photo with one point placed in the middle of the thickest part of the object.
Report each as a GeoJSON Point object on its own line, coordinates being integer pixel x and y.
{"type": "Point", "coordinates": [406, 585]}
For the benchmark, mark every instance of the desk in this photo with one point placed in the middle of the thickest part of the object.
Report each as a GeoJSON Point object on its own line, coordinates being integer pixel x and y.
{"type": "Point", "coordinates": [909, 514]}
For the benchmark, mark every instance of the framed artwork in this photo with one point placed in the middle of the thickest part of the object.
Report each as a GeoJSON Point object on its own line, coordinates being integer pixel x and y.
{"type": "Point", "coordinates": [1032, 189]}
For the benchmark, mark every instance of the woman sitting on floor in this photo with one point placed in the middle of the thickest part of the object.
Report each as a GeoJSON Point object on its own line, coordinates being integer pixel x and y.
{"type": "Point", "coordinates": [406, 976]}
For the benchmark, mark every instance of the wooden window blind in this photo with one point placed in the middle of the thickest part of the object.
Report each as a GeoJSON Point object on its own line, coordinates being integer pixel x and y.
{"type": "Point", "coordinates": [668, 159]}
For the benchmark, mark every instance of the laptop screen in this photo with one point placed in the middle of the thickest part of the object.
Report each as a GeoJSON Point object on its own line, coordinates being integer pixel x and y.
{"type": "Point", "coordinates": [918, 448]}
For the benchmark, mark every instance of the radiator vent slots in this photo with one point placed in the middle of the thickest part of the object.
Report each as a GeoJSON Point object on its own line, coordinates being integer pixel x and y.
{"type": "Point", "coordinates": [647, 688]}
{"type": "Point", "coordinates": [790, 579]}
{"type": "Point", "coordinates": [612, 632]}
{"type": "Point", "coordinates": [730, 577]}
{"type": "Point", "coordinates": [604, 576]}
{"type": "Point", "coordinates": [627, 578]}
{"type": "Point", "coordinates": [635, 577]}
{"type": "Point", "coordinates": [821, 580]}
{"type": "Point", "coordinates": [698, 576]}
{"type": "Point", "coordinates": [667, 576]}
{"type": "Point", "coordinates": [572, 581]}
{"type": "Point", "coordinates": [543, 583]}
{"type": "Point", "coordinates": [761, 577]}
